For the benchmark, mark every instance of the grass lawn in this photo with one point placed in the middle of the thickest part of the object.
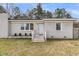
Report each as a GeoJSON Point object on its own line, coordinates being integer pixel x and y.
{"type": "Point", "coordinates": [24, 47]}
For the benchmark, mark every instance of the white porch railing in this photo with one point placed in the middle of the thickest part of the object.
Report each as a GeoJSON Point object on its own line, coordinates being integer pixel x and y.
{"type": "Point", "coordinates": [32, 35]}
{"type": "Point", "coordinates": [45, 36]}
{"type": "Point", "coordinates": [38, 37]}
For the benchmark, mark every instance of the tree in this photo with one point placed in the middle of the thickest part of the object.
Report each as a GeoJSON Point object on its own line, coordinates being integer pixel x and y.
{"type": "Point", "coordinates": [68, 15]}
{"type": "Point", "coordinates": [36, 13]}
{"type": "Point", "coordinates": [30, 13]}
{"type": "Point", "coordinates": [62, 13]}
{"type": "Point", "coordinates": [2, 9]}
{"type": "Point", "coordinates": [16, 11]}
{"type": "Point", "coordinates": [58, 13]}
{"type": "Point", "coordinates": [39, 11]}
{"type": "Point", "coordinates": [49, 14]}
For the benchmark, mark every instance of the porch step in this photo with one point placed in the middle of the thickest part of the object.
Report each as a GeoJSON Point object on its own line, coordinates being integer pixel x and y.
{"type": "Point", "coordinates": [38, 38]}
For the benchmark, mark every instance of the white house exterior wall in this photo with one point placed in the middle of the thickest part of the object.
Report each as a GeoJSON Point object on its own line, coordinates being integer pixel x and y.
{"type": "Point", "coordinates": [15, 26]}
{"type": "Point", "coordinates": [67, 29]}
{"type": "Point", "coordinates": [3, 25]}
{"type": "Point", "coordinates": [49, 27]}
{"type": "Point", "coordinates": [10, 27]}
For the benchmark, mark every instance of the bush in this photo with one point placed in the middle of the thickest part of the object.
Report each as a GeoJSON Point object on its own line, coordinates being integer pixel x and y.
{"type": "Point", "coordinates": [30, 34]}
{"type": "Point", "coordinates": [25, 34]}
{"type": "Point", "coordinates": [15, 34]}
{"type": "Point", "coordinates": [20, 34]}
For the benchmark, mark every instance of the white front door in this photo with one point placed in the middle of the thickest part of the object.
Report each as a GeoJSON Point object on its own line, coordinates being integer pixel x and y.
{"type": "Point", "coordinates": [41, 28]}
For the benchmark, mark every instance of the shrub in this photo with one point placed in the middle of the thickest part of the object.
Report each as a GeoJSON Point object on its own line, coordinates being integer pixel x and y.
{"type": "Point", "coordinates": [25, 34]}
{"type": "Point", "coordinates": [30, 34]}
{"type": "Point", "coordinates": [15, 34]}
{"type": "Point", "coordinates": [20, 34]}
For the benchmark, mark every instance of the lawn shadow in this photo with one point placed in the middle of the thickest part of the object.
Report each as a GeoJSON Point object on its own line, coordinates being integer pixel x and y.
{"type": "Point", "coordinates": [62, 39]}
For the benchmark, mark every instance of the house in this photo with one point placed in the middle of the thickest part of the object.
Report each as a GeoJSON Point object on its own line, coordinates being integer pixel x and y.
{"type": "Point", "coordinates": [38, 30]}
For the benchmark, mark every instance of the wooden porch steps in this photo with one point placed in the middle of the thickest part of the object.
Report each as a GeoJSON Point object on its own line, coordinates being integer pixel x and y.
{"type": "Point", "coordinates": [38, 38]}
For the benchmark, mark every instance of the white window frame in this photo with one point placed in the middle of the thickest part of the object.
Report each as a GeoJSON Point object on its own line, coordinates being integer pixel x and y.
{"type": "Point", "coordinates": [30, 26]}
{"type": "Point", "coordinates": [60, 26]}
{"type": "Point", "coordinates": [25, 24]}
{"type": "Point", "coordinates": [22, 25]}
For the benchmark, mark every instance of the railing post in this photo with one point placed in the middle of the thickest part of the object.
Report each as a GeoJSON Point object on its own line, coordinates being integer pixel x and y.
{"type": "Point", "coordinates": [32, 35]}
{"type": "Point", "coordinates": [45, 35]}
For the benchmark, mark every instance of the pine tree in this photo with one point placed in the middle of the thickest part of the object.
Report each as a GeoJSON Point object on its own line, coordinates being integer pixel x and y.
{"type": "Point", "coordinates": [39, 11]}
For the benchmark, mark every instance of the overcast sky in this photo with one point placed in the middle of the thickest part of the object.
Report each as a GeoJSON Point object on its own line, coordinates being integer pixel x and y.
{"type": "Point", "coordinates": [72, 8]}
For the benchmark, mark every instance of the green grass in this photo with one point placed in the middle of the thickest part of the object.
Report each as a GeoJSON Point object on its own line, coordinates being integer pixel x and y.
{"type": "Point", "coordinates": [25, 47]}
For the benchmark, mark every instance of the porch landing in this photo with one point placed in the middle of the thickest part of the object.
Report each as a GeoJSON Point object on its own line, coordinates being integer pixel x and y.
{"type": "Point", "coordinates": [38, 38]}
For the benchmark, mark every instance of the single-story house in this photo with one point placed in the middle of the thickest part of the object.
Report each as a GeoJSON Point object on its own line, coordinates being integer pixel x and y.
{"type": "Point", "coordinates": [38, 30]}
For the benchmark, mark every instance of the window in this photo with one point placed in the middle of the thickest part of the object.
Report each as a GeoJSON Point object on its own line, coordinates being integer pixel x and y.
{"type": "Point", "coordinates": [31, 26]}
{"type": "Point", "coordinates": [27, 26]}
{"type": "Point", "coordinates": [22, 27]}
{"type": "Point", "coordinates": [58, 26]}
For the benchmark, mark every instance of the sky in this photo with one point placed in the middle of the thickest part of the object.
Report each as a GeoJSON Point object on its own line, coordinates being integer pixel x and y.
{"type": "Point", "coordinates": [72, 8]}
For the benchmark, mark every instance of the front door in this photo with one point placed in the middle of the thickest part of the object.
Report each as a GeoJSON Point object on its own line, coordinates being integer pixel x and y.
{"type": "Point", "coordinates": [40, 28]}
